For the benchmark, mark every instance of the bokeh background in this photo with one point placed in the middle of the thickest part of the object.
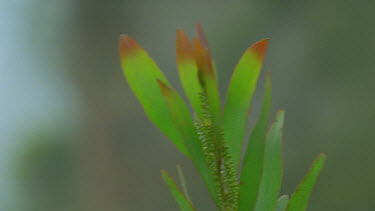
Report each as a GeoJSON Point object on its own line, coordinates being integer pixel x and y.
{"type": "Point", "coordinates": [74, 137]}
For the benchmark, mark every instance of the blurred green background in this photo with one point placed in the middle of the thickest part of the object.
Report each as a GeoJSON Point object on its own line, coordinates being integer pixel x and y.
{"type": "Point", "coordinates": [74, 137]}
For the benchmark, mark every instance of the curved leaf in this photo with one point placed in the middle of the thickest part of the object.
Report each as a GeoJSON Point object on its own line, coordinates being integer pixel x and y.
{"type": "Point", "coordinates": [239, 95]}
{"type": "Point", "coordinates": [184, 123]}
{"type": "Point", "coordinates": [141, 72]}
{"type": "Point", "coordinates": [300, 198]}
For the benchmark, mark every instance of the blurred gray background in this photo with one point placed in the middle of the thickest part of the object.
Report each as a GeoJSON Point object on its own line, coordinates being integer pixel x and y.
{"type": "Point", "coordinates": [74, 137]}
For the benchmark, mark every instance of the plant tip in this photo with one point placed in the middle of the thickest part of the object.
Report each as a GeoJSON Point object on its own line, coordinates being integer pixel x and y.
{"type": "Point", "coordinates": [127, 45]}
{"type": "Point", "coordinates": [260, 48]}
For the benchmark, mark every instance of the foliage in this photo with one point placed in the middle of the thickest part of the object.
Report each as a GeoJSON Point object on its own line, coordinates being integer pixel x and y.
{"type": "Point", "coordinates": [212, 138]}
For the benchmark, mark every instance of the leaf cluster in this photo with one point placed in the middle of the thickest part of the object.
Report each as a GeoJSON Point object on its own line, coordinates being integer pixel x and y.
{"type": "Point", "coordinates": [212, 137]}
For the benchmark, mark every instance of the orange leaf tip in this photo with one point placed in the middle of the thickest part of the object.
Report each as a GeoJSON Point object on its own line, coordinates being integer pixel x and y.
{"type": "Point", "coordinates": [127, 45]}
{"type": "Point", "coordinates": [202, 58]}
{"type": "Point", "coordinates": [201, 36]}
{"type": "Point", "coordinates": [184, 49]}
{"type": "Point", "coordinates": [260, 48]}
{"type": "Point", "coordinates": [199, 52]}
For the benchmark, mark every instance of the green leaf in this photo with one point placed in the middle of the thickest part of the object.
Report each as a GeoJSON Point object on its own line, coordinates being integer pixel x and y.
{"type": "Point", "coordinates": [271, 179]}
{"type": "Point", "coordinates": [300, 198]}
{"type": "Point", "coordinates": [141, 73]}
{"type": "Point", "coordinates": [201, 37]}
{"type": "Point", "coordinates": [251, 172]}
{"type": "Point", "coordinates": [207, 78]}
{"type": "Point", "coordinates": [184, 123]}
{"type": "Point", "coordinates": [183, 183]}
{"type": "Point", "coordinates": [239, 95]}
{"type": "Point", "coordinates": [208, 81]}
{"type": "Point", "coordinates": [188, 70]}
{"type": "Point", "coordinates": [282, 203]}
{"type": "Point", "coordinates": [182, 202]}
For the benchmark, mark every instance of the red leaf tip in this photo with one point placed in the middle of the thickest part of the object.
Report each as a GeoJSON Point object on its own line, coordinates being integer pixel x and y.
{"type": "Point", "coordinates": [260, 48]}
{"type": "Point", "coordinates": [127, 45]}
{"type": "Point", "coordinates": [202, 58]}
{"type": "Point", "coordinates": [201, 36]}
{"type": "Point", "coordinates": [184, 49]}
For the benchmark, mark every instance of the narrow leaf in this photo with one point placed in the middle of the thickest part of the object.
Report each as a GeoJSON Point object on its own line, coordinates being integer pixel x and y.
{"type": "Point", "coordinates": [210, 87]}
{"type": "Point", "coordinates": [201, 36]}
{"type": "Point", "coordinates": [141, 73]}
{"type": "Point", "coordinates": [203, 40]}
{"type": "Point", "coordinates": [184, 123]}
{"type": "Point", "coordinates": [188, 70]}
{"type": "Point", "coordinates": [239, 95]}
{"type": "Point", "coordinates": [251, 172]}
{"type": "Point", "coordinates": [207, 75]}
{"type": "Point", "coordinates": [300, 198]}
{"type": "Point", "coordinates": [271, 178]}
{"type": "Point", "coordinates": [182, 202]}
{"type": "Point", "coordinates": [282, 203]}
{"type": "Point", "coordinates": [209, 84]}
{"type": "Point", "coordinates": [183, 183]}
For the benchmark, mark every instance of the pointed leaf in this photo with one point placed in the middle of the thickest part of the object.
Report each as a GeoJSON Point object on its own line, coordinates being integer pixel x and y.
{"type": "Point", "coordinates": [182, 202]}
{"type": "Point", "coordinates": [201, 36]}
{"type": "Point", "coordinates": [239, 95]}
{"type": "Point", "coordinates": [209, 84]}
{"type": "Point", "coordinates": [203, 40]}
{"type": "Point", "coordinates": [184, 123]}
{"type": "Point", "coordinates": [251, 172]}
{"type": "Point", "coordinates": [188, 70]}
{"type": "Point", "coordinates": [183, 183]}
{"type": "Point", "coordinates": [207, 75]}
{"type": "Point", "coordinates": [300, 198]}
{"type": "Point", "coordinates": [141, 73]}
{"type": "Point", "coordinates": [271, 178]}
{"type": "Point", "coordinates": [282, 203]}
